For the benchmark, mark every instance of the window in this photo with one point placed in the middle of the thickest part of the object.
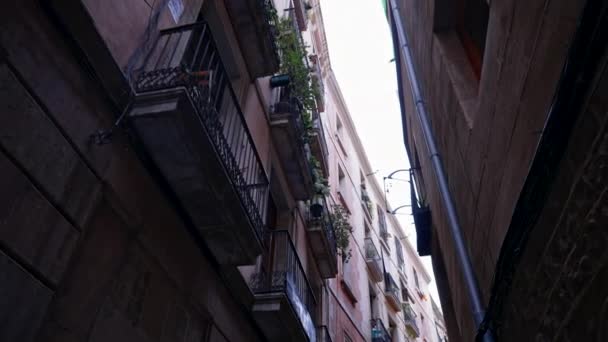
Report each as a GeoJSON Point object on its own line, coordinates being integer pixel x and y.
{"type": "Point", "coordinates": [340, 135]}
{"type": "Point", "coordinates": [382, 223]}
{"type": "Point", "coordinates": [399, 250]}
{"type": "Point", "coordinates": [347, 338]}
{"type": "Point", "coordinates": [339, 126]}
{"type": "Point", "coordinates": [341, 178]}
{"type": "Point", "coordinates": [405, 296]}
{"type": "Point", "coordinates": [471, 26]}
{"type": "Point", "coordinates": [416, 278]}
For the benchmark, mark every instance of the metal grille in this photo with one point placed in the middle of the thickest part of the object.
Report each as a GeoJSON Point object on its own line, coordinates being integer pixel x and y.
{"type": "Point", "coordinates": [285, 274]}
{"type": "Point", "coordinates": [390, 285]}
{"type": "Point", "coordinates": [371, 252]}
{"type": "Point", "coordinates": [187, 56]}
{"type": "Point", "coordinates": [327, 225]}
{"type": "Point", "coordinates": [379, 332]}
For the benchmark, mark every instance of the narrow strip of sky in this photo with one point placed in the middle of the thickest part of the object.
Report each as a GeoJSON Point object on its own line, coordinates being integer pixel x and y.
{"type": "Point", "coordinates": [361, 52]}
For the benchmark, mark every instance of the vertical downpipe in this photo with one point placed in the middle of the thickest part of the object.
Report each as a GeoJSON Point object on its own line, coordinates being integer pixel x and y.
{"type": "Point", "coordinates": [462, 255]}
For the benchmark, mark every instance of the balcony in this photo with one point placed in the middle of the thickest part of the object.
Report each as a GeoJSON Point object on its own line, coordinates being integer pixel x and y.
{"type": "Point", "coordinates": [322, 239]}
{"type": "Point", "coordinates": [402, 275]}
{"type": "Point", "coordinates": [287, 129]}
{"type": "Point", "coordinates": [366, 204]}
{"type": "Point", "coordinates": [284, 303]}
{"type": "Point", "coordinates": [373, 260]}
{"type": "Point", "coordinates": [409, 317]}
{"type": "Point", "coordinates": [189, 122]}
{"type": "Point", "coordinates": [379, 332]}
{"type": "Point", "coordinates": [382, 226]}
{"type": "Point", "coordinates": [318, 145]}
{"type": "Point", "coordinates": [300, 8]}
{"type": "Point", "coordinates": [317, 77]}
{"type": "Point", "coordinates": [323, 334]}
{"type": "Point", "coordinates": [255, 29]}
{"type": "Point", "coordinates": [391, 292]}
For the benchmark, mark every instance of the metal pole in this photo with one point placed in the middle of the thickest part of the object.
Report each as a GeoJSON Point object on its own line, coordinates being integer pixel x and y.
{"type": "Point", "coordinates": [462, 255]}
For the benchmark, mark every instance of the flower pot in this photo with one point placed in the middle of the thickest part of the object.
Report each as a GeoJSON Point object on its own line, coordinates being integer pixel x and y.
{"type": "Point", "coordinates": [279, 81]}
{"type": "Point", "coordinates": [316, 210]}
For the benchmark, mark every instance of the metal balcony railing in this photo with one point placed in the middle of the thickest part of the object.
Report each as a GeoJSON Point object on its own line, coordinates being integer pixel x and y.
{"type": "Point", "coordinates": [325, 337]}
{"type": "Point", "coordinates": [379, 332]}
{"type": "Point", "coordinates": [382, 226]}
{"type": "Point", "coordinates": [326, 223]}
{"type": "Point", "coordinates": [390, 286]}
{"type": "Point", "coordinates": [371, 252]}
{"type": "Point", "coordinates": [409, 316]}
{"type": "Point", "coordinates": [286, 275]}
{"type": "Point", "coordinates": [271, 24]}
{"type": "Point", "coordinates": [187, 57]}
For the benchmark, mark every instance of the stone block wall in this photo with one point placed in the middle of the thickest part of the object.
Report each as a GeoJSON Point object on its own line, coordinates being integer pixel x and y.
{"type": "Point", "coordinates": [90, 247]}
{"type": "Point", "coordinates": [486, 130]}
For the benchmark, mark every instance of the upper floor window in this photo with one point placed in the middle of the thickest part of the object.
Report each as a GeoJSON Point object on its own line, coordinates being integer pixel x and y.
{"type": "Point", "coordinates": [341, 179]}
{"type": "Point", "coordinates": [416, 279]}
{"type": "Point", "coordinates": [339, 126]}
{"type": "Point", "coordinates": [382, 224]}
{"type": "Point", "coordinates": [471, 25]}
{"type": "Point", "coordinates": [399, 250]}
{"type": "Point", "coordinates": [340, 135]}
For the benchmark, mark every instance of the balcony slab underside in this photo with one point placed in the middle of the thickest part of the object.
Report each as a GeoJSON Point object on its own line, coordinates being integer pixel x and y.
{"type": "Point", "coordinates": [375, 269]}
{"type": "Point", "coordinates": [181, 148]}
{"type": "Point", "coordinates": [278, 318]}
{"type": "Point", "coordinates": [320, 245]}
{"type": "Point", "coordinates": [318, 148]}
{"type": "Point", "coordinates": [294, 160]}
{"type": "Point", "coordinates": [250, 22]}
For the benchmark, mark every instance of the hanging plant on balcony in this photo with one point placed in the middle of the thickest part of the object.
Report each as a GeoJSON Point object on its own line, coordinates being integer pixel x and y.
{"type": "Point", "coordinates": [321, 185]}
{"type": "Point", "coordinates": [293, 63]}
{"type": "Point", "coordinates": [342, 230]}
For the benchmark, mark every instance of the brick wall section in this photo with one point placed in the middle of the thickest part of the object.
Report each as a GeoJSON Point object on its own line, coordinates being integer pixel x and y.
{"type": "Point", "coordinates": [89, 248]}
{"type": "Point", "coordinates": [486, 139]}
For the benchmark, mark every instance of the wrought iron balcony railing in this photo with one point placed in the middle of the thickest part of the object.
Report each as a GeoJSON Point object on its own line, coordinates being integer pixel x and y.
{"type": "Point", "coordinates": [409, 317]}
{"type": "Point", "coordinates": [324, 334]}
{"type": "Point", "coordinates": [392, 291]}
{"type": "Point", "coordinates": [379, 332]}
{"type": "Point", "coordinates": [326, 223]}
{"type": "Point", "coordinates": [373, 260]}
{"type": "Point", "coordinates": [187, 57]}
{"type": "Point", "coordinates": [286, 275]}
{"type": "Point", "coordinates": [371, 252]}
{"type": "Point", "coordinates": [390, 285]}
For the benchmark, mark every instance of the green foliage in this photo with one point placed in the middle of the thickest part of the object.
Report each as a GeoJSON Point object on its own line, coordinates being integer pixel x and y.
{"type": "Point", "coordinates": [321, 185]}
{"type": "Point", "coordinates": [342, 230]}
{"type": "Point", "coordinates": [293, 63]}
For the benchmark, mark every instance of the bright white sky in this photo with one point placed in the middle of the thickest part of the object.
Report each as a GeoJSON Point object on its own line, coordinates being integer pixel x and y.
{"type": "Point", "coordinates": [361, 50]}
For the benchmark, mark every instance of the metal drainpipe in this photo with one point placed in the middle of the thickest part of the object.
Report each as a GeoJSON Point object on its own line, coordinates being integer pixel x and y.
{"type": "Point", "coordinates": [464, 260]}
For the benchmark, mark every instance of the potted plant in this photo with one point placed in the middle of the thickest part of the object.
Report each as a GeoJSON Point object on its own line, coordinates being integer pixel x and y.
{"type": "Point", "coordinates": [281, 80]}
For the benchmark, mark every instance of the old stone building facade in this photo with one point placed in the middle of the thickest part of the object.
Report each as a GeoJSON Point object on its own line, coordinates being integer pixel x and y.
{"type": "Point", "coordinates": [159, 179]}
{"type": "Point", "coordinates": [516, 97]}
